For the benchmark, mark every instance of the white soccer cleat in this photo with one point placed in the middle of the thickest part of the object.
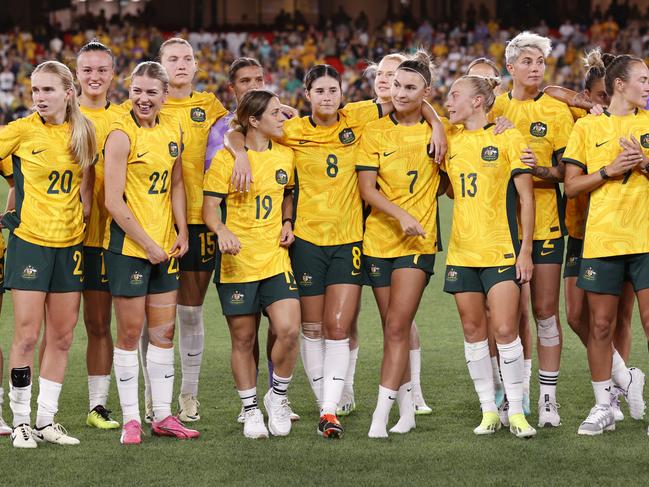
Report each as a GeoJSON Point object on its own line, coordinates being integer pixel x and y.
{"type": "Point", "coordinates": [503, 412]}
{"type": "Point", "coordinates": [634, 393]}
{"type": "Point", "coordinates": [548, 413]}
{"type": "Point", "coordinates": [242, 416]}
{"type": "Point", "coordinates": [21, 437]}
{"type": "Point", "coordinates": [489, 425]}
{"type": "Point", "coordinates": [148, 411]}
{"type": "Point", "coordinates": [188, 408]}
{"type": "Point", "coordinates": [347, 405]}
{"type": "Point", "coordinates": [54, 433]}
{"type": "Point", "coordinates": [294, 416]}
{"type": "Point", "coordinates": [599, 419]}
{"type": "Point", "coordinates": [5, 430]}
{"type": "Point", "coordinates": [616, 392]}
{"type": "Point", "coordinates": [421, 408]}
{"type": "Point", "coordinates": [253, 424]}
{"type": "Point", "coordinates": [279, 414]}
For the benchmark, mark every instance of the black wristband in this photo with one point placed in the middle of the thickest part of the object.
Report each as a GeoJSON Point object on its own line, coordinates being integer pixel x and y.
{"type": "Point", "coordinates": [602, 173]}
{"type": "Point", "coordinates": [288, 220]}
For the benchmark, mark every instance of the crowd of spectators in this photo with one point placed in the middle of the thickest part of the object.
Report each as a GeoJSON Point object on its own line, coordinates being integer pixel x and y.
{"type": "Point", "coordinates": [293, 45]}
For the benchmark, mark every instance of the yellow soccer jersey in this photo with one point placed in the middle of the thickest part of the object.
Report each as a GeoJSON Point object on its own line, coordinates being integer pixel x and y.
{"type": "Point", "coordinates": [576, 207]}
{"type": "Point", "coordinates": [329, 210]}
{"type": "Point", "coordinates": [102, 118]}
{"type": "Point", "coordinates": [406, 176]}
{"type": "Point", "coordinates": [48, 182]}
{"type": "Point", "coordinates": [147, 191]}
{"type": "Point", "coordinates": [196, 114]}
{"type": "Point", "coordinates": [545, 124]}
{"type": "Point", "coordinates": [254, 217]}
{"type": "Point", "coordinates": [480, 167]}
{"type": "Point", "coordinates": [616, 223]}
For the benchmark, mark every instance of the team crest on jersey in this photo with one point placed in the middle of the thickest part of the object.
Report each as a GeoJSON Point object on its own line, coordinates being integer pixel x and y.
{"type": "Point", "coordinates": [281, 177]}
{"type": "Point", "coordinates": [137, 278]}
{"type": "Point", "coordinates": [173, 149]}
{"type": "Point", "coordinates": [306, 280]}
{"type": "Point", "coordinates": [644, 140]}
{"type": "Point", "coordinates": [375, 270]}
{"type": "Point", "coordinates": [590, 274]}
{"type": "Point", "coordinates": [538, 129]}
{"type": "Point", "coordinates": [197, 114]}
{"type": "Point", "coordinates": [30, 272]}
{"type": "Point", "coordinates": [490, 153]}
{"type": "Point", "coordinates": [347, 136]}
{"type": "Point", "coordinates": [451, 275]}
{"type": "Point", "coordinates": [237, 298]}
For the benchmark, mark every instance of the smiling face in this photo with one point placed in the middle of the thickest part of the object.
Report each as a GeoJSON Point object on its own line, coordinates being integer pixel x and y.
{"type": "Point", "coordinates": [528, 69]}
{"type": "Point", "coordinates": [246, 79]}
{"type": "Point", "coordinates": [384, 75]}
{"type": "Point", "coordinates": [147, 96]}
{"type": "Point", "coordinates": [325, 96]}
{"type": "Point", "coordinates": [95, 73]}
{"type": "Point", "coordinates": [49, 95]}
{"type": "Point", "coordinates": [408, 91]}
{"type": "Point", "coordinates": [178, 60]}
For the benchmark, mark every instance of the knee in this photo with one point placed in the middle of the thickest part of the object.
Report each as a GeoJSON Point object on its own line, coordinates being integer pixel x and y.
{"type": "Point", "coordinates": [600, 328]}
{"type": "Point", "coordinates": [244, 342]}
{"type": "Point", "coordinates": [473, 332]}
{"type": "Point", "coordinates": [312, 329]}
{"type": "Point", "coordinates": [25, 343]}
{"type": "Point", "coordinates": [504, 334]}
{"type": "Point", "coordinates": [573, 315]}
{"type": "Point", "coordinates": [397, 330]}
{"type": "Point", "coordinates": [543, 309]}
{"type": "Point", "coordinates": [61, 340]}
{"type": "Point", "coordinates": [129, 338]}
{"type": "Point", "coordinates": [97, 328]}
{"type": "Point", "coordinates": [337, 332]}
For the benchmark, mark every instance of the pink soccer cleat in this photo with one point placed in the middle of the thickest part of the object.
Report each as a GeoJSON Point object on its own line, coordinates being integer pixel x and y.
{"type": "Point", "coordinates": [171, 426]}
{"type": "Point", "coordinates": [131, 433]}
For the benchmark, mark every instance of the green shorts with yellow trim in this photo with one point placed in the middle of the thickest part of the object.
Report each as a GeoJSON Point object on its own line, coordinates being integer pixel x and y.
{"type": "Point", "coordinates": [202, 250]}
{"type": "Point", "coordinates": [548, 251]}
{"type": "Point", "coordinates": [573, 257]}
{"type": "Point", "coordinates": [378, 270]}
{"type": "Point", "coordinates": [319, 266]}
{"type": "Point", "coordinates": [248, 298]}
{"type": "Point", "coordinates": [606, 275]}
{"type": "Point", "coordinates": [461, 279]}
{"type": "Point", "coordinates": [32, 267]}
{"type": "Point", "coordinates": [132, 276]}
{"type": "Point", "coordinates": [95, 277]}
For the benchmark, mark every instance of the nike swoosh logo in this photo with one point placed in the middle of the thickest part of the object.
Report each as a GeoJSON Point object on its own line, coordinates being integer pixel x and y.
{"type": "Point", "coordinates": [510, 362]}
{"type": "Point", "coordinates": [317, 379]}
{"type": "Point", "coordinates": [204, 260]}
{"type": "Point", "coordinates": [104, 280]}
{"type": "Point", "coordinates": [386, 154]}
{"type": "Point", "coordinates": [451, 157]}
{"type": "Point", "coordinates": [292, 288]}
{"type": "Point", "coordinates": [193, 354]}
{"type": "Point", "coordinates": [38, 151]}
{"type": "Point", "coordinates": [391, 398]}
{"type": "Point", "coordinates": [143, 154]}
{"type": "Point", "coordinates": [168, 376]}
{"type": "Point", "coordinates": [544, 253]}
{"type": "Point", "coordinates": [355, 273]}
{"type": "Point", "coordinates": [500, 271]}
{"type": "Point", "coordinates": [602, 143]}
{"type": "Point", "coordinates": [338, 378]}
{"type": "Point", "coordinates": [126, 380]}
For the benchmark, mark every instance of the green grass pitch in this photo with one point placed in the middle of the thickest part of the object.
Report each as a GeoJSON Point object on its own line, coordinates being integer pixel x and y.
{"type": "Point", "coordinates": [441, 451]}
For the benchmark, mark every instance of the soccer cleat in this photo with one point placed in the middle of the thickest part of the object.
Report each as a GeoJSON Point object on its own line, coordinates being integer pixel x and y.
{"type": "Point", "coordinates": [330, 427]}
{"type": "Point", "coordinates": [54, 433]}
{"type": "Point", "coordinates": [188, 408]}
{"type": "Point", "coordinates": [5, 430]}
{"type": "Point", "coordinates": [519, 427]}
{"type": "Point", "coordinates": [616, 392]}
{"type": "Point", "coordinates": [548, 413]}
{"type": "Point", "coordinates": [253, 425]}
{"type": "Point", "coordinates": [131, 433]}
{"type": "Point", "coordinates": [242, 416]}
{"type": "Point", "coordinates": [503, 413]}
{"type": "Point", "coordinates": [526, 404]}
{"type": "Point", "coordinates": [489, 425]}
{"type": "Point", "coordinates": [634, 393]}
{"type": "Point", "coordinates": [599, 419]}
{"type": "Point", "coordinates": [421, 408]}
{"type": "Point", "coordinates": [347, 405]}
{"type": "Point", "coordinates": [148, 411]}
{"type": "Point", "coordinates": [21, 437]}
{"type": "Point", "coordinates": [279, 416]}
{"type": "Point", "coordinates": [171, 426]}
{"type": "Point", "coordinates": [100, 418]}
{"type": "Point", "coordinates": [293, 415]}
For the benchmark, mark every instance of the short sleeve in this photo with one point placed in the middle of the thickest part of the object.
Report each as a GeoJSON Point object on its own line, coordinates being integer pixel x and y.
{"type": "Point", "coordinates": [564, 123]}
{"type": "Point", "coordinates": [6, 167]}
{"type": "Point", "coordinates": [575, 152]}
{"type": "Point", "coordinates": [10, 138]}
{"type": "Point", "coordinates": [361, 113]}
{"type": "Point", "coordinates": [216, 181]}
{"type": "Point", "coordinates": [216, 109]}
{"type": "Point", "coordinates": [291, 176]}
{"type": "Point", "coordinates": [367, 155]}
{"type": "Point", "coordinates": [515, 145]}
{"type": "Point", "coordinates": [498, 109]}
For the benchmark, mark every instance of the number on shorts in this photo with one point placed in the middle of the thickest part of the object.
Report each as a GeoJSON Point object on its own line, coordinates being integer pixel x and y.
{"type": "Point", "coordinates": [356, 257]}
{"type": "Point", "coordinates": [471, 178]}
{"type": "Point", "coordinates": [208, 245]}
{"type": "Point", "coordinates": [173, 266]}
{"type": "Point", "coordinates": [414, 175]}
{"type": "Point", "coordinates": [77, 256]}
{"type": "Point", "coordinates": [60, 183]}
{"type": "Point", "coordinates": [332, 166]}
{"type": "Point", "coordinates": [154, 178]}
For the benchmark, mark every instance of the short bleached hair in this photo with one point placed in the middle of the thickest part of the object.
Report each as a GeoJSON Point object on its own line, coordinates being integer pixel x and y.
{"type": "Point", "coordinates": [527, 40]}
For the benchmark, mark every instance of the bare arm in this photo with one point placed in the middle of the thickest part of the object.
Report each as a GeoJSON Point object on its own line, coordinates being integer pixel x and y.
{"type": "Point", "coordinates": [569, 97]}
{"type": "Point", "coordinates": [235, 142]}
{"type": "Point", "coordinates": [438, 142]}
{"type": "Point", "coordinates": [87, 188]}
{"type": "Point", "coordinates": [179, 208]}
{"type": "Point", "coordinates": [525, 189]}
{"type": "Point", "coordinates": [228, 242]}
{"type": "Point", "coordinates": [554, 174]}
{"type": "Point", "coordinates": [287, 237]}
{"type": "Point", "coordinates": [117, 149]}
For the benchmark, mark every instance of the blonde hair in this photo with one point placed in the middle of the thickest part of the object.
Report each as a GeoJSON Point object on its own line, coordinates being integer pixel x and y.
{"type": "Point", "coordinates": [527, 40]}
{"type": "Point", "coordinates": [372, 68]}
{"type": "Point", "coordinates": [83, 142]}
{"type": "Point", "coordinates": [483, 87]}
{"type": "Point", "coordinates": [153, 70]}
{"type": "Point", "coordinates": [173, 41]}
{"type": "Point", "coordinates": [421, 62]}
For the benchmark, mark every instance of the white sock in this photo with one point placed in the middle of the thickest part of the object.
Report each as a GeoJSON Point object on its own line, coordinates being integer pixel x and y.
{"type": "Point", "coordinates": [48, 401]}
{"type": "Point", "coordinates": [481, 372]}
{"type": "Point", "coordinates": [192, 342]}
{"type": "Point", "coordinates": [619, 371]}
{"type": "Point", "coordinates": [2, 399]}
{"type": "Point", "coordinates": [415, 369]}
{"type": "Point", "coordinates": [495, 367]}
{"type": "Point", "coordinates": [127, 371]}
{"type": "Point", "coordinates": [378, 428]}
{"type": "Point", "coordinates": [249, 398]}
{"type": "Point", "coordinates": [511, 368]}
{"type": "Point", "coordinates": [548, 384]}
{"type": "Point", "coordinates": [143, 347]}
{"type": "Point", "coordinates": [98, 386]}
{"type": "Point", "coordinates": [351, 371]}
{"type": "Point", "coordinates": [406, 410]}
{"type": "Point", "coordinates": [312, 353]}
{"type": "Point", "coordinates": [336, 361]}
{"type": "Point", "coordinates": [527, 375]}
{"type": "Point", "coordinates": [160, 365]}
{"type": "Point", "coordinates": [280, 386]}
{"type": "Point", "coordinates": [602, 391]}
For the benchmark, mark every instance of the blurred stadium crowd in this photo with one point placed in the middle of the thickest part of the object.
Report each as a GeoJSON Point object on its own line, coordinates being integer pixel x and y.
{"type": "Point", "coordinates": [290, 46]}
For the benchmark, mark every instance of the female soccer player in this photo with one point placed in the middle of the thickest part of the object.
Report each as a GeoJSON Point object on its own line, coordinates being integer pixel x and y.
{"type": "Point", "coordinates": [51, 150]}
{"type": "Point", "coordinates": [253, 272]}
{"type": "Point", "coordinates": [607, 157]}
{"type": "Point", "coordinates": [485, 263]}
{"type": "Point", "coordinates": [401, 234]}
{"type": "Point", "coordinates": [95, 74]}
{"type": "Point", "coordinates": [145, 198]}
{"type": "Point", "coordinates": [545, 124]}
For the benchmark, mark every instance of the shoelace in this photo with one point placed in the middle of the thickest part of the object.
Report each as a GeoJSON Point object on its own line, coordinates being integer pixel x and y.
{"type": "Point", "coordinates": [284, 410]}
{"type": "Point", "coordinates": [60, 429]}
{"type": "Point", "coordinates": [26, 432]}
{"type": "Point", "coordinates": [103, 412]}
{"type": "Point", "coordinates": [598, 414]}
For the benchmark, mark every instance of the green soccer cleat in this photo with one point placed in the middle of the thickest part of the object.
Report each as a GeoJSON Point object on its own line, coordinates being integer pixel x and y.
{"type": "Point", "coordinates": [489, 425]}
{"type": "Point", "coordinates": [519, 427]}
{"type": "Point", "coordinates": [100, 418]}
